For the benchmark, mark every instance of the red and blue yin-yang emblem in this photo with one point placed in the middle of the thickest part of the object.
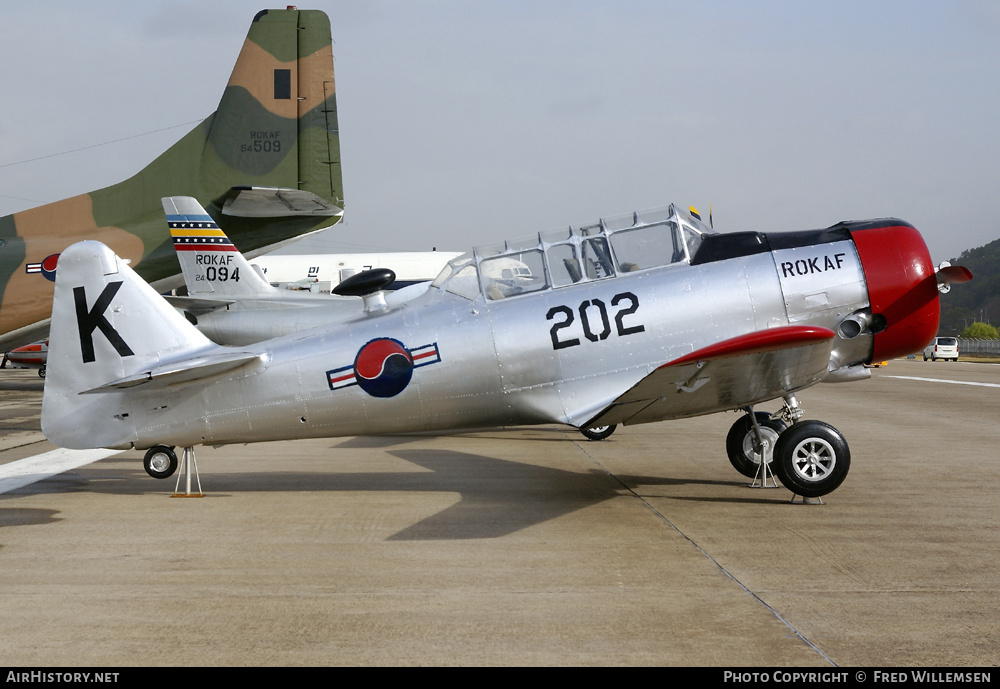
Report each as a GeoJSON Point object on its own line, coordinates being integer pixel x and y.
{"type": "Point", "coordinates": [383, 367]}
{"type": "Point", "coordinates": [47, 267]}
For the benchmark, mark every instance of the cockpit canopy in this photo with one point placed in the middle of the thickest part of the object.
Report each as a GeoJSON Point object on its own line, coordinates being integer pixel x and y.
{"type": "Point", "coordinates": [549, 260]}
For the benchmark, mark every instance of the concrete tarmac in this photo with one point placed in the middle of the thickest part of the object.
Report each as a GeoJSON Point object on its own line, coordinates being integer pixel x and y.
{"type": "Point", "coordinates": [526, 546]}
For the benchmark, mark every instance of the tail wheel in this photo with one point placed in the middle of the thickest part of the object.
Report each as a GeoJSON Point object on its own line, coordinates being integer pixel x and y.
{"type": "Point", "coordinates": [741, 440]}
{"type": "Point", "coordinates": [811, 458]}
{"type": "Point", "coordinates": [160, 461]}
{"type": "Point", "coordinates": [598, 432]}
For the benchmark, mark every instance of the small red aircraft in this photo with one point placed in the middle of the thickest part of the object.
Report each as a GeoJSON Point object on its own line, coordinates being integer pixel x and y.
{"type": "Point", "coordinates": [34, 355]}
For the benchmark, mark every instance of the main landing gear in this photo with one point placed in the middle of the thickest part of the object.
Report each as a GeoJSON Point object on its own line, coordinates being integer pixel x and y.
{"type": "Point", "coordinates": [810, 458]}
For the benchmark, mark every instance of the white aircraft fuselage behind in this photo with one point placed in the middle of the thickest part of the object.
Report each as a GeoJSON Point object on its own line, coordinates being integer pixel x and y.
{"type": "Point", "coordinates": [332, 269]}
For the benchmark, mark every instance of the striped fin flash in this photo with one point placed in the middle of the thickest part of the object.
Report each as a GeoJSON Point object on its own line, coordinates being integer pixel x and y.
{"type": "Point", "coordinates": [197, 233]}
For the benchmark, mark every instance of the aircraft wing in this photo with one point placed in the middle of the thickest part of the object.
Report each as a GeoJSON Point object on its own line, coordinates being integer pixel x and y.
{"type": "Point", "coordinates": [727, 375]}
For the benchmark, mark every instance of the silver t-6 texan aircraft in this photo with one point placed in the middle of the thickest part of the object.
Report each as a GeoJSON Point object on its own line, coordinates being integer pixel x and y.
{"type": "Point", "coordinates": [632, 319]}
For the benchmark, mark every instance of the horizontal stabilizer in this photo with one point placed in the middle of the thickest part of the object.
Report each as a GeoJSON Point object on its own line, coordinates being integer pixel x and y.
{"type": "Point", "coordinates": [726, 375]}
{"type": "Point", "coordinates": [196, 305]}
{"type": "Point", "coordinates": [271, 202]}
{"type": "Point", "coordinates": [184, 371]}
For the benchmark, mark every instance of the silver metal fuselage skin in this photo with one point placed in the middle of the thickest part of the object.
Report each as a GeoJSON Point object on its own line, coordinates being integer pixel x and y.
{"type": "Point", "coordinates": [500, 362]}
{"type": "Point", "coordinates": [247, 321]}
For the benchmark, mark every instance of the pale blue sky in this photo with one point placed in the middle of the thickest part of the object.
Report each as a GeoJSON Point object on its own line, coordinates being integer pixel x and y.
{"type": "Point", "coordinates": [467, 122]}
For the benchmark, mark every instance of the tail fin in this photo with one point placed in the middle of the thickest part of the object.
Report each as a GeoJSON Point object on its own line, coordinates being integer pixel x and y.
{"type": "Point", "coordinates": [277, 120]}
{"type": "Point", "coordinates": [211, 264]}
{"type": "Point", "coordinates": [271, 149]}
{"type": "Point", "coordinates": [108, 326]}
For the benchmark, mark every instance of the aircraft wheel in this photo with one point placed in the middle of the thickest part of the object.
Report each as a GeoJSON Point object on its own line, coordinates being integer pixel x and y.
{"type": "Point", "coordinates": [598, 432]}
{"type": "Point", "coordinates": [41, 372]}
{"type": "Point", "coordinates": [160, 461]}
{"type": "Point", "coordinates": [811, 458]}
{"type": "Point", "coordinates": [740, 441]}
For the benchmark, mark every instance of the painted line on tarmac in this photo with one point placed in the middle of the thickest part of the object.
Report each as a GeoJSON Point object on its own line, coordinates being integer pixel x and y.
{"type": "Point", "coordinates": [23, 472]}
{"type": "Point", "coordinates": [942, 380]}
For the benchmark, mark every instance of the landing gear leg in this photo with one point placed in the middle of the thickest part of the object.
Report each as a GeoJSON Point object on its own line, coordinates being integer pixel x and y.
{"type": "Point", "coordinates": [791, 412]}
{"type": "Point", "coordinates": [764, 448]}
{"type": "Point", "coordinates": [188, 467]}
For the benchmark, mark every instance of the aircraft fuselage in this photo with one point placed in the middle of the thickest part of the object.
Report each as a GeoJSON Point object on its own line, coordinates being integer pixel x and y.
{"type": "Point", "coordinates": [525, 336]}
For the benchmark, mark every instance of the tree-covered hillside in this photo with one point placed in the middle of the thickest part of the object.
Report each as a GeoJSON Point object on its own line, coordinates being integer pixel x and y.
{"type": "Point", "coordinates": [978, 300]}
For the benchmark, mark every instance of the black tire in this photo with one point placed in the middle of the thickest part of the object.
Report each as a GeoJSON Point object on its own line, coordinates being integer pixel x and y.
{"type": "Point", "coordinates": [41, 372]}
{"type": "Point", "coordinates": [740, 441]}
{"type": "Point", "coordinates": [598, 432]}
{"type": "Point", "coordinates": [160, 461]}
{"type": "Point", "coordinates": [811, 459]}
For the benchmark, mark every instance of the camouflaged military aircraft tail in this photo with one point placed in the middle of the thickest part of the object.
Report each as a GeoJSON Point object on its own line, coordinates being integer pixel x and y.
{"type": "Point", "coordinates": [265, 165]}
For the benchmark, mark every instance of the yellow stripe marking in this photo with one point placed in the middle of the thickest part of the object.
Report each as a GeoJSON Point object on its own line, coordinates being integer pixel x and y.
{"type": "Point", "coordinates": [197, 233]}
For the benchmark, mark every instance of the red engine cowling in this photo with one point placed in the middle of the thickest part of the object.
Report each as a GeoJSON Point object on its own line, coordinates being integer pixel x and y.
{"type": "Point", "coordinates": [902, 287]}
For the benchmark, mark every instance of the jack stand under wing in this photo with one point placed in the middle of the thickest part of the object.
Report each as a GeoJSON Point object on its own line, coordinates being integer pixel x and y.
{"type": "Point", "coordinates": [765, 448]}
{"type": "Point", "coordinates": [189, 466]}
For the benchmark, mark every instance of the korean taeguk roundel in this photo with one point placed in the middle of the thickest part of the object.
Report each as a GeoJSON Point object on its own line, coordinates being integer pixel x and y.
{"type": "Point", "coordinates": [383, 367]}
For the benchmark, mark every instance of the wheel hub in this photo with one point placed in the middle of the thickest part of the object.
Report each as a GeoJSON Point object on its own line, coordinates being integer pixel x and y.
{"type": "Point", "coordinates": [159, 462]}
{"type": "Point", "coordinates": [751, 451]}
{"type": "Point", "coordinates": [814, 459]}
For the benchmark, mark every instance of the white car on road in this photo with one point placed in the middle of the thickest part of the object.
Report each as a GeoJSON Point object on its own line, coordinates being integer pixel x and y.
{"type": "Point", "coordinates": [942, 348]}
